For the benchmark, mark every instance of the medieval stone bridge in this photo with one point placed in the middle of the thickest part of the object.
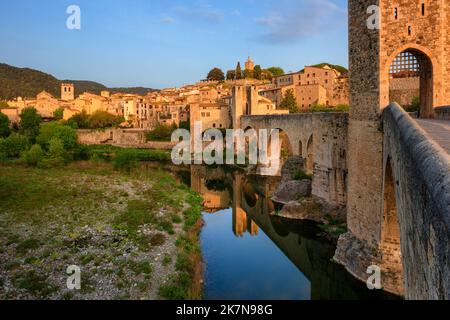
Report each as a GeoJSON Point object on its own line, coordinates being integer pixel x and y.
{"type": "Point", "coordinates": [321, 139]}
{"type": "Point", "coordinates": [412, 233]}
{"type": "Point", "coordinates": [391, 171]}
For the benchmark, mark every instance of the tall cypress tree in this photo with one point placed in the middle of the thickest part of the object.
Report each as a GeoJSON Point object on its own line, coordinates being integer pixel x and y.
{"type": "Point", "coordinates": [238, 71]}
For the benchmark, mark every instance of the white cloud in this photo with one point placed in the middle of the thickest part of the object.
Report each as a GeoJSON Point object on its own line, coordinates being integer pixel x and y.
{"type": "Point", "coordinates": [294, 20]}
{"type": "Point", "coordinates": [168, 20]}
{"type": "Point", "coordinates": [206, 13]}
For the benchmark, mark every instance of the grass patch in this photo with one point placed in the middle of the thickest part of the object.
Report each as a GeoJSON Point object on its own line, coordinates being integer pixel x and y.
{"type": "Point", "coordinates": [301, 175]}
{"type": "Point", "coordinates": [185, 284]}
{"type": "Point", "coordinates": [34, 282]}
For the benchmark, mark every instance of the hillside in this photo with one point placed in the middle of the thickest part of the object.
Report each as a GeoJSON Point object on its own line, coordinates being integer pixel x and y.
{"type": "Point", "coordinates": [25, 82]}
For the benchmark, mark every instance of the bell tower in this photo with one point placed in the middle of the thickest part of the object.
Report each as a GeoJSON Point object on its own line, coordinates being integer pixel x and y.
{"type": "Point", "coordinates": [67, 91]}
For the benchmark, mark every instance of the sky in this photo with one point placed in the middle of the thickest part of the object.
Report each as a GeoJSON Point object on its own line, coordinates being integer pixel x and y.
{"type": "Point", "coordinates": [167, 43]}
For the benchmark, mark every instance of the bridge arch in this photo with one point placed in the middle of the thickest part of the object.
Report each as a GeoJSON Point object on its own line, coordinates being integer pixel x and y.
{"type": "Point", "coordinates": [410, 61]}
{"type": "Point", "coordinates": [390, 242]}
{"type": "Point", "coordinates": [310, 154]}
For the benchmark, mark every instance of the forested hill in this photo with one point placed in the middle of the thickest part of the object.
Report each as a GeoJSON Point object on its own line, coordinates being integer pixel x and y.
{"type": "Point", "coordinates": [25, 82]}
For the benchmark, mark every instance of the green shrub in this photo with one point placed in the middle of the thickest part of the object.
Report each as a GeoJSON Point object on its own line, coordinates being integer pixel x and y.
{"type": "Point", "coordinates": [58, 114]}
{"type": "Point", "coordinates": [125, 159]}
{"type": "Point", "coordinates": [103, 119]}
{"type": "Point", "coordinates": [161, 133]}
{"type": "Point", "coordinates": [323, 108]}
{"type": "Point", "coordinates": [81, 152]}
{"type": "Point", "coordinates": [56, 150]}
{"type": "Point", "coordinates": [301, 175]}
{"type": "Point", "coordinates": [34, 156]}
{"type": "Point", "coordinates": [66, 134]}
{"type": "Point", "coordinates": [415, 105]}
{"type": "Point", "coordinates": [79, 121]}
{"type": "Point", "coordinates": [4, 126]}
{"type": "Point", "coordinates": [14, 145]}
{"type": "Point", "coordinates": [30, 123]}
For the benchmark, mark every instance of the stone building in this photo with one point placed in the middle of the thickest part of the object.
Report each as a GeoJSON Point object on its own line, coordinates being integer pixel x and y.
{"type": "Point", "coordinates": [321, 85]}
{"type": "Point", "coordinates": [246, 100]}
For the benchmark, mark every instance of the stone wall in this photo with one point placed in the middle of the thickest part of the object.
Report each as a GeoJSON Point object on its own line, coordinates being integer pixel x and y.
{"type": "Point", "coordinates": [442, 113]}
{"type": "Point", "coordinates": [403, 90]}
{"type": "Point", "coordinates": [421, 172]}
{"type": "Point", "coordinates": [330, 132]}
{"type": "Point", "coordinates": [121, 137]}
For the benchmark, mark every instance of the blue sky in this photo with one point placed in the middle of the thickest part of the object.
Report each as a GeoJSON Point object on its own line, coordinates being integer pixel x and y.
{"type": "Point", "coordinates": [164, 43]}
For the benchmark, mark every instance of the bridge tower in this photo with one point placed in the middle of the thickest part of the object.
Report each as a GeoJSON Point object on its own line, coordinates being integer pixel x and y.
{"type": "Point", "coordinates": [386, 39]}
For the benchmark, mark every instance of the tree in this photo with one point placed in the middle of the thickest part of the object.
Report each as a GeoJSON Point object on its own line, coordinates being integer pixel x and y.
{"type": "Point", "coordinates": [231, 74]}
{"type": "Point", "coordinates": [103, 119]}
{"type": "Point", "coordinates": [289, 102]}
{"type": "Point", "coordinates": [276, 71]}
{"type": "Point", "coordinates": [238, 71]}
{"type": "Point", "coordinates": [54, 130]}
{"type": "Point", "coordinates": [216, 74]}
{"type": "Point", "coordinates": [248, 74]}
{"type": "Point", "coordinates": [4, 126]}
{"type": "Point", "coordinates": [257, 72]}
{"type": "Point", "coordinates": [79, 121]}
{"type": "Point", "coordinates": [30, 123]}
{"type": "Point", "coordinates": [58, 113]}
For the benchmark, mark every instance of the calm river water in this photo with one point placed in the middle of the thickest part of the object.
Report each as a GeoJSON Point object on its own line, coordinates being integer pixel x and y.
{"type": "Point", "coordinates": [251, 254]}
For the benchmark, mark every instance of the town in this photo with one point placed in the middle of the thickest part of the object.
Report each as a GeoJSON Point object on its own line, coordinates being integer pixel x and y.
{"type": "Point", "coordinates": [210, 101]}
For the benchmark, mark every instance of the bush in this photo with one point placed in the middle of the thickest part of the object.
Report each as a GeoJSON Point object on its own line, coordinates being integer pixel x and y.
{"type": "Point", "coordinates": [301, 175]}
{"type": "Point", "coordinates": [58, 114]}
{"type": "Point", "coordinates": [34, 156]}
{"type": "Point", "coordinates": [14, 145]}
{"type": "Point", "coordinates": [125, 159]}
{"type": "Point", "coordinates": [323, 108]}
{"type": "Point", "coordinates": [81, 152]}
{"type": "Point", "coordinates": [161, 133]}
{"type": "Point", "coordinates": [56, 150]}
{"type": "Point", "coordinates": [103, 119]}
{"type": "Point", "coordinates": [66, 134]}
{"type": "Point", "coordinates": [4, 126]}
{"type": "Point", "coordinates": [79, 121]}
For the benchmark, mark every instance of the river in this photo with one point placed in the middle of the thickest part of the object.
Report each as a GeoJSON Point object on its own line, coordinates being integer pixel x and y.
{"type": "Point", "coordinates": [251, 254]}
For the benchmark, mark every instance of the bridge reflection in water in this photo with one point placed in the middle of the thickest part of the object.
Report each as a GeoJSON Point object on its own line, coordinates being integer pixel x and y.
{"type": "Point", "coordinates": [251, 254]}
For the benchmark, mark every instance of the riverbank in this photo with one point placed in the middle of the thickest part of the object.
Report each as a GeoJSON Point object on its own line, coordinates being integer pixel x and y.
{"type": "Point", "coordinates": [133, 235]}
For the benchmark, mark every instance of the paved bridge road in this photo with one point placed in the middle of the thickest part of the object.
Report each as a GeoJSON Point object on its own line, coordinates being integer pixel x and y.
{"type": "Point", "coordinates": [438, 130]}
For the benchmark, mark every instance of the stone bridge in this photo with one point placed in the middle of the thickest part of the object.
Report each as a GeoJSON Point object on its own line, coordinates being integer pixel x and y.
{"type": "Point", "coordinates": [319, 138]}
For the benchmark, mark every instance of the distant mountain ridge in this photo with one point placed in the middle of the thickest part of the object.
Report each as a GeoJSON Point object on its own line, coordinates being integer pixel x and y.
{"type": "Point", "coordinates": [27, 83]}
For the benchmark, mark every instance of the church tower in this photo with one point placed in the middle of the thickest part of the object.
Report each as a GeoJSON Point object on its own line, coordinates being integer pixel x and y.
{"type": "Point", "coordinates": [67, 91]}
{"type": "Point", "coordinates": [249, 64]}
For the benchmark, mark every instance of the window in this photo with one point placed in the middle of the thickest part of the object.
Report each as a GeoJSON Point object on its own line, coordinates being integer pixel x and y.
{"type": "Point", "coordinates": [423, 8]}
{"type": "Point", "coordinates": [396, 13]}
{"type": "Point", "coordinates": [409, 30]}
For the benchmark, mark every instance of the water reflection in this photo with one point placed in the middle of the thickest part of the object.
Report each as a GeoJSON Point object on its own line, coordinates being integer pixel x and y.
{"type": "Point", "coordinates": [251, 254]}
